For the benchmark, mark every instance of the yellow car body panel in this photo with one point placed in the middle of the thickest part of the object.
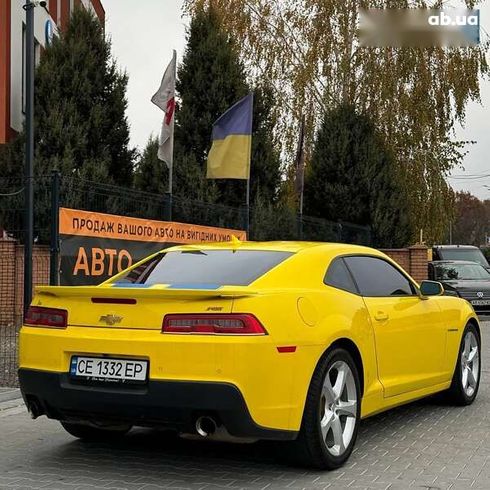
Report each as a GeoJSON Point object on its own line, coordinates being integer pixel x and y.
{"type": "Point", "coordinates": [411, 355]}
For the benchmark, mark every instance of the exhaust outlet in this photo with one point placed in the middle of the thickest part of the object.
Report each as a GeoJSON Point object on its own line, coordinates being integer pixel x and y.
{"type": "Point", "coordinates": [205, 426]}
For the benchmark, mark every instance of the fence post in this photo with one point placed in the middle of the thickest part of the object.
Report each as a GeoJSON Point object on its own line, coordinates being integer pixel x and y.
{"type": "Point", "coordinates": [167, 207]}
{"type": "Point", "coordinates": [299, 222]}
{"type": "Point", "coordinates": [245, 212]}
{"type": "Point", "coordinates": [339, 232]}
{"type": "Point", "coordinates": [55, 225]}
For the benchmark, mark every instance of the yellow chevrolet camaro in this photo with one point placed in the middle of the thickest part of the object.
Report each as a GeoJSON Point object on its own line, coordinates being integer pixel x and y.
{"type": "Point", "coordinates": [282, 340]}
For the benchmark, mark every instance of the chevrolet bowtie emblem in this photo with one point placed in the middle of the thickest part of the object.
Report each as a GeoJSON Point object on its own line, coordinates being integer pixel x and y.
{"type": "Point", "coordinates": [110, 319]}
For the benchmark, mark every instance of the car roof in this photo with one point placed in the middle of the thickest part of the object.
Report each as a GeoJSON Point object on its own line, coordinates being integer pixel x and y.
{"type": "Point", "coordinates": [469, 247]}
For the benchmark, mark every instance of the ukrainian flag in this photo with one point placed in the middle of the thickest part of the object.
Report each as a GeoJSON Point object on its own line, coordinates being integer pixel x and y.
{"type": "Point", "coordinates": [229, 156]}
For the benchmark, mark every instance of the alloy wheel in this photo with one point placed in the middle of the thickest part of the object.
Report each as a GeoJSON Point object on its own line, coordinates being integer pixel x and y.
{"type": "Point", "coordinates": [470, 364]}
{"type": "Point", "coordinates": [338, 408]}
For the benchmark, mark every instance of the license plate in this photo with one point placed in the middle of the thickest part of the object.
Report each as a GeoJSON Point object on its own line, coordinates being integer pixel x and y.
{"type": "Point", "coordinates": [480, 302]}
{"type": "Point", "coordinates": [108, 369]}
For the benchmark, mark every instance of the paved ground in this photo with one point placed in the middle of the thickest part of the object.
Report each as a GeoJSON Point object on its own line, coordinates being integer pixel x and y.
{"type": "Point", "coordinates": [424, 445]}
{"type": "Point", "coordinates": [7, 394]}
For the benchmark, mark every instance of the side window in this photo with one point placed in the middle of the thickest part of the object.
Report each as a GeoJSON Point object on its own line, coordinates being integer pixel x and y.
{"type": "Point", "coordinates": [376, 277]}
{"type": "Point", "coordinates": [339, 276]}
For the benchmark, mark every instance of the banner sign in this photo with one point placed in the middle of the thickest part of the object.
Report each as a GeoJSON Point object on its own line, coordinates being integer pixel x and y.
{"type": "Point", "coordinates": [95, 246]}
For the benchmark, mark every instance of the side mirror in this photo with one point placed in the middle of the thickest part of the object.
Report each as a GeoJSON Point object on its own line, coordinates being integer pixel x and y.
{"type": "Point", "coordinates": [431, 288]}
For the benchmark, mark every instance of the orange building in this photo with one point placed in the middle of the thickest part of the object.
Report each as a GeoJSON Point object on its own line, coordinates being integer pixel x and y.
{"type": "Point", "coordinates": [47, 20]}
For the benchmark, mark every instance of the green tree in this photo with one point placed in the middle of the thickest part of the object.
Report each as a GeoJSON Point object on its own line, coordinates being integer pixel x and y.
{"type": "Point", "coordinates": [265, 171]}
{"type": "Point", "coordinates": [11, 159]}
{"type": "Point", "coordinates": [352, 177]}
{"type": "Point", "coordinates": [471, 219]}
{"type": "Point", "coordinates": [211, 79]}
{"type": "Point", "coordinates": [272, 221]}
{"type": "Point", "coordinates": [151, 174]}
{"type": "Point", "coordinates": [11, 188]}
{"type": "Point", "coordinates": [80, 103]}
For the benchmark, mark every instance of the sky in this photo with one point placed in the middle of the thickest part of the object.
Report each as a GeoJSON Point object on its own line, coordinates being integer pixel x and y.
{"type": "Point", "coordinates": [145, 32]}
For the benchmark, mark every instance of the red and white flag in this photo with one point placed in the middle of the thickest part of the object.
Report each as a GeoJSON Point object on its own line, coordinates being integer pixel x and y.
{"type": "Point", "coordinates": [164, 98]}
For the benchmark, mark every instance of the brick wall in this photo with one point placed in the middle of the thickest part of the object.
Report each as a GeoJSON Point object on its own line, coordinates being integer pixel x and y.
{"type": "Point", "coordinates": [12, 277]}
{"type": "Point", "coordinates": [7, 282]}
{"type": "Point", "coordinates": [413, 259]}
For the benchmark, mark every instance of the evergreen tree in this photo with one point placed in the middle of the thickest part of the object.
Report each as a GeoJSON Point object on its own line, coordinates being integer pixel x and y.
{"type": "Point", "coordinates": [12, 159]}
{"type": "Point", "coordinates": [352, 178]}
{"type": "Point", "coordinates": [265, 173]}
{"type": "Point", "coordinates": [151, 174]}
{"type": "Point", "coordinates": [211, 79]}
{"type": "Point", "coordinates": [272, 221]}
{"type": "Point", "coordinates": [80, 103]}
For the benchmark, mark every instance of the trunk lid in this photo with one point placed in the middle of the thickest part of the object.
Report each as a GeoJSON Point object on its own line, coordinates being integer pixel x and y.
{"type": "Point", "coordinates": [135, 307]}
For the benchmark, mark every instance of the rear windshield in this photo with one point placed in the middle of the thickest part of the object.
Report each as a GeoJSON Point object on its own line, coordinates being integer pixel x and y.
{"type": "Point", "coordinates": [473, 255]}
{"type": "Point", "coordinates": [205, 267]}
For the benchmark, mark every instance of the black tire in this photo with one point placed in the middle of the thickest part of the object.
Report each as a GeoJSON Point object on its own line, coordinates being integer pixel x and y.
{"type": "Point", "coordinates": [456, 394]}
{"type": "Point", "coordinates": [310, 449]}
{"type": "Point", "coordinates": [87, 432]}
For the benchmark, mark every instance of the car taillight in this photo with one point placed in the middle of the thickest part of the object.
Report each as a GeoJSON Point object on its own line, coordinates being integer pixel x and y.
{"type": "Point", "coordinates": [233, 323]}
{"type": "Point", "coordinates": [38, 316]}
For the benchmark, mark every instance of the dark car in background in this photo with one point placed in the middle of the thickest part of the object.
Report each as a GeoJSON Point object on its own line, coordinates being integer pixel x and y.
{"type": "Point", "coordinates": [459, 252]}
{"type": "Point", "coordinates": [466, 279]}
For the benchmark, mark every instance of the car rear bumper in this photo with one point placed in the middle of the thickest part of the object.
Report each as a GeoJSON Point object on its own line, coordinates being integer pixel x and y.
{"type": "Point", "coordinates": [265, 378]}
{"type": "Point", "coordinates": [172, 404]}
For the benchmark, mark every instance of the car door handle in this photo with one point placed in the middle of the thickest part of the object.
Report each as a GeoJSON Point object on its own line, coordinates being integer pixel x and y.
{"type": "Point", "coordinates": [381, 316]}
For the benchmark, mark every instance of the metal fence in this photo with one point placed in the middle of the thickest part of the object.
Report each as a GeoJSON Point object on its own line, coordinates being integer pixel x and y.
{"type": "Point", "coordinates": [266, 224]}
{"type": "Point", "coordinates": [10, 317]}
{"type": "Point", "coordinates": [11, 218]}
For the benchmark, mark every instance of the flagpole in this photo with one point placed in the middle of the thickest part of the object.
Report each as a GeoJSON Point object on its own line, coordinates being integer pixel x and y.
{"type": "Point", "coordinates": [164, 99]}
{"type": "Point", "coordinates": [247, 210]}
{"type": "Point", "coordinates": [171, 167]}
{"type": "Point", "coordinates": [300, 180]}
{"type": "Point", "coordinates": [247, 199]}
{"type": "Point", "coordinates": [169, 190]}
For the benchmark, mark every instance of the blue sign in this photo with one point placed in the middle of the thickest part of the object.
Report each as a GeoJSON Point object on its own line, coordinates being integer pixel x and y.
{"type": "Point", "coordinates": [48, 32]}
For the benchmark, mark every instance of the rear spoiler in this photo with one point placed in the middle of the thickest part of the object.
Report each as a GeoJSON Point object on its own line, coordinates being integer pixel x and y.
{"type": "Point", "coordinates": [159, 291]}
